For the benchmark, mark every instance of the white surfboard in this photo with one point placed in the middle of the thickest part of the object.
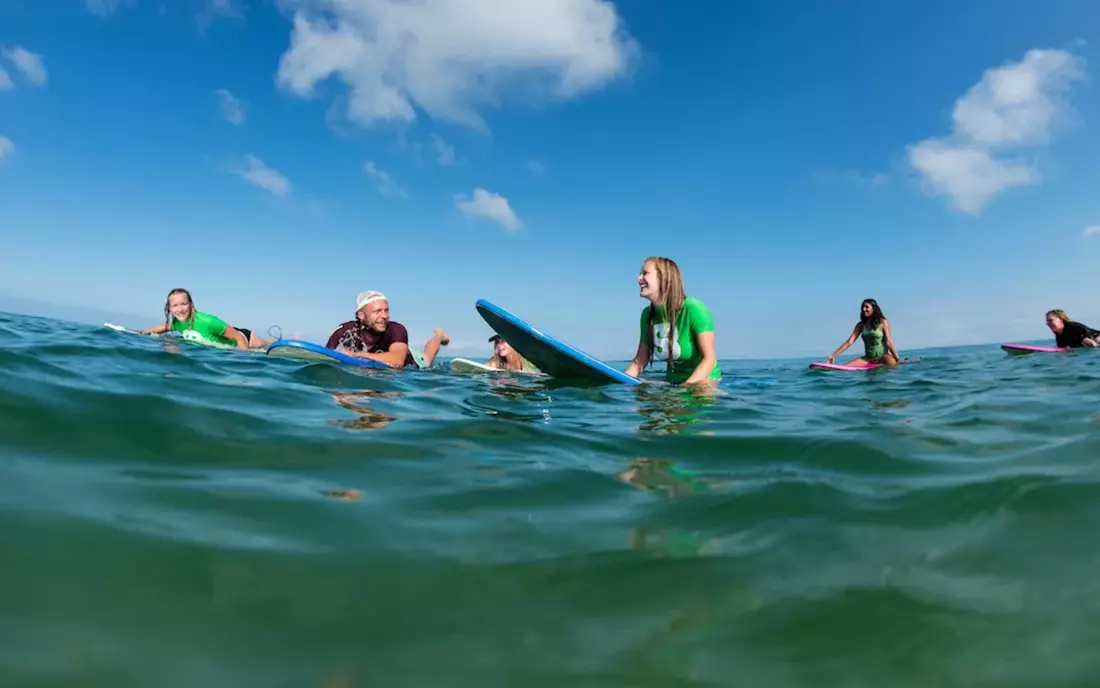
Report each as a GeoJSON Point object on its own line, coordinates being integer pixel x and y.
{"type": "Point", "coordinates": [464, 365]}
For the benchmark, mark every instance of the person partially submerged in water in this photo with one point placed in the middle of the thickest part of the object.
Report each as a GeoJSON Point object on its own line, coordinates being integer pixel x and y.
{"type": "Point", "coordinates": [506, 358]}
{"type": "Point", "coordinates": [1070, 334]}
{"type": "Point", "coordinates": [674, 327]}
{"type": "Point", "coordinates": [874, 329]}
{"type": "Point", "coordinates": [180, 315]}
{"type": "Point", "coordinates": [372, 335]}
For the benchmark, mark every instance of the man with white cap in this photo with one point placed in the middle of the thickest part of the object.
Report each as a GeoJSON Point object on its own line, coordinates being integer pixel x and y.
{"type": "Point", "coordinates": [373, 335]}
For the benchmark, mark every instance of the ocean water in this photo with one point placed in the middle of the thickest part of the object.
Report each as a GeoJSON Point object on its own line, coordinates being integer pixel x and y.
{"type": "Point", "coordinates": [178, 516]}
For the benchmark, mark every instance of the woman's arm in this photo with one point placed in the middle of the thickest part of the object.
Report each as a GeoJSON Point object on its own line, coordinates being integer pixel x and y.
{"type": "Point", "coordinates": [159, 329]}
{"type": "Point", "coordinates": [641, 357]}
{"type": "Point", "coordinates": [704, 341]}
{"type": "Point", "coordinates": [847, 343]}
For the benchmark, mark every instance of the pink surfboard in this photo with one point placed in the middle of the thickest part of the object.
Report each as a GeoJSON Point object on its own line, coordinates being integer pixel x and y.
{"type": "Point", "coordinates": [1019, 349]}
{"type": "Point", "coordinates": [836, 366]}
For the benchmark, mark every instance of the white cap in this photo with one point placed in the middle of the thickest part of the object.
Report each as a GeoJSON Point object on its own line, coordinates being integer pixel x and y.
{"type": "Point", "coordinates": [366, 297]}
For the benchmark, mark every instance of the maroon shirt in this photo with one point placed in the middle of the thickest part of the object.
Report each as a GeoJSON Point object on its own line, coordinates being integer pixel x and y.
{"type": "Point", "coordinates": [355, 336]}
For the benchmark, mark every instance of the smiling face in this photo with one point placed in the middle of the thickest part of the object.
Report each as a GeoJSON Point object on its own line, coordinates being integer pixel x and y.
{"type": "Point", "coordinates": [1055, 323]}
{"type": "Point", "coordinates": [179, 305]}
{"type": "Point", "coordinates": [649, 282]}
{"type": "Point", "coordinates": [867, 309]}
{"type": "Point", "coordinates": [375, 315]}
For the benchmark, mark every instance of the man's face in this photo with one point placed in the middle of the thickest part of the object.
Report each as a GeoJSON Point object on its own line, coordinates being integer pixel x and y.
{"type": "Point", "coordinates": [375, 315]}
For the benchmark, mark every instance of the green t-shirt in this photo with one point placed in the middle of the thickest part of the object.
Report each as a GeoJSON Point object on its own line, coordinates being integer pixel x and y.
{"type": "Point", "coordinates": [694, 319]}
{"type": "Point", "coordinates": [206, 329]}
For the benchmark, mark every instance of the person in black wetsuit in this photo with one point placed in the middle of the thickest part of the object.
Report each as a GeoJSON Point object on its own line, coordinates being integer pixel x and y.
{"type": "Point", "coordinates": [1069, 333]}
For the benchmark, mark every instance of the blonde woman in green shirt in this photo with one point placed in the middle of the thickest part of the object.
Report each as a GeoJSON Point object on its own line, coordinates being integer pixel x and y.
{"type": "Point", "coordinates": [691, 358]}
{"type": "Point", "coordinates": [196, 326]}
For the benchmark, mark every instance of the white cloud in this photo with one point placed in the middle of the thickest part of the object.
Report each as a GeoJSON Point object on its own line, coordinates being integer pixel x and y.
{"type": "Point", "coordinates": [383, 181]}
{"type": "Point", "coordinates": [231, 108]}
{"type": "Point", "coordinates": [257, 172]}
{"type": "Point", "coordinates": [971, 176]}
{"type": "Point", "coordinates": [6, 83]}
{"type": "Point", "coordinates": [535, 167]}
{"type": "Point", "coordinates": [444, 151]}
{"type": "Point", "coordinates": [1013, 106]}
{"type": "Point", "coordinates": [29, 63]}
{"type": "Point", "coordinates": [449, 57]}
{"type": "Point", "coordinates": [1092, 230]}
{"type": "Point", "coordinates": [489, 206]}
{"type": "Point", "coordinates": [6, 147]}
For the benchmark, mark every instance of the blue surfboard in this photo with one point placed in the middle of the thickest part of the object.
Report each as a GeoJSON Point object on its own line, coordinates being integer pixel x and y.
{"type": "Point", "coordinates": [550, 355]}
{"type": "Point", "coordinates": [307, 351]}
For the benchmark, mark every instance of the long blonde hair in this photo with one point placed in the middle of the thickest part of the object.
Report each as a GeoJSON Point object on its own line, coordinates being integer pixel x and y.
{"type": "Point", "coordinates": [671, 284]}
{"type": "Point", "coordinates": [496, 361]}
{"type": "Point", "coordinates": [168, 312]}
{"type": "Point", "coordinates": [1059, 313]}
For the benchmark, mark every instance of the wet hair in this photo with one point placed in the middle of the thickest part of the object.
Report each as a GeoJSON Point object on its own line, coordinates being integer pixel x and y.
{"type": "Point", "coordinates": [168, 312]}
{"type": "Point", "coordinates": [671, 284]}
{"type": "Point", "coordinates": [876, 317]}
{"type": "Point", "coordinates": [1059, 313]}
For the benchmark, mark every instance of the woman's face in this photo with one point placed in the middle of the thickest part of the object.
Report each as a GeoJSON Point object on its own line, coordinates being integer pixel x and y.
{"type": "Point", "coordinates": [1055, 324]}
{"type": "Point", "coordinates": [502, 348]}
{"type": "Point", "coordinates": [867, 310]}
{"type": "Point", "coordinates": [648, 285]}
{"type": "Point", "coordinates": [179, 306]}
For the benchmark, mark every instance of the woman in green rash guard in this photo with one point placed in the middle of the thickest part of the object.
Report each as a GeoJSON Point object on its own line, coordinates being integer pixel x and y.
{"type": "Point", "coordinates": [691, 358]}
{"type": "Point", "coordinates": [878, 344]}
{"type": "Point", "coordinates": [180, 315]}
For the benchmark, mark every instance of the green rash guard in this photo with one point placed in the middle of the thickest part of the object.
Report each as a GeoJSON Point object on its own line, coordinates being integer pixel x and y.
{"type": "Point", "coordinates": [205, 329]}
{"type": "Point", "coordinates": [694, 320]}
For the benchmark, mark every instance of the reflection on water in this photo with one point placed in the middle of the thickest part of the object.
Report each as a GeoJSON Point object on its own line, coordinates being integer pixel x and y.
{"type": "Point", "coordinates": [668, 409]}
{"type": "Point", "coordinates": [367, 418]}
{"type": "Point", "coordinates": [660, 476]}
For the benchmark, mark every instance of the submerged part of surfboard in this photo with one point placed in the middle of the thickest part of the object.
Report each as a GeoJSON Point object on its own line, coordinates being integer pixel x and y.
{"type": "Point", "coordinates": [550, 355]}
{"type": "Point", "coordinates": [1020, 349]}
{"type": "Point", "coordinates": [308, 351]}
{"type": "Point", "coordinates": [836, 366]}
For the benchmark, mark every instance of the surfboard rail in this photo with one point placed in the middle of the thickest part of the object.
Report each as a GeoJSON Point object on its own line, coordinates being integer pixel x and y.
{"type": "Point", "coordinates": [308, 351]}
{"type": "Point", "coordinates": [1020, 349]}
{"type": "Point", "coordinates": [821, 365]}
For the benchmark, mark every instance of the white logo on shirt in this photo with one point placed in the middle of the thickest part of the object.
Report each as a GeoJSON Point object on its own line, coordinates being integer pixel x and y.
{"type": "Point", "coordinates": [660, 342]}
{"type": "Point", "coordinates": [194, 336]}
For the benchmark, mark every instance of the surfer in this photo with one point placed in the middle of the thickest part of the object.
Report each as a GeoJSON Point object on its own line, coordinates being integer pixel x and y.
{"type": "Point", "coordinates": [691, 358]}
{"type": "Point", "coordinates": [373, 335]}
{"type": "Point", "coordinates": [878, 344]}
{"type": "Point", "coordinates": [507, 358]}
{"type": "Point", "coordinates": [1068, 333]}
{"type": "Point", "coordinates": [194, 325]}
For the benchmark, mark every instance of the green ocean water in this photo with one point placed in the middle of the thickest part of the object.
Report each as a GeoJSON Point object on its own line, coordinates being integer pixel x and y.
{"type": "Point", "coordinates": [178, 516]}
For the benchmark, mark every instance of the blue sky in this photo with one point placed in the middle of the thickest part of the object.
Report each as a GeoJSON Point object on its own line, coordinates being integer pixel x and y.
{"type": "Point", "coordinates": [277, 158]}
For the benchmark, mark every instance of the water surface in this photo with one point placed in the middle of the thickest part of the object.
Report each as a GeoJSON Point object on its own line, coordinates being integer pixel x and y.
{"type": "Point", "coordinates": [177, 516]}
